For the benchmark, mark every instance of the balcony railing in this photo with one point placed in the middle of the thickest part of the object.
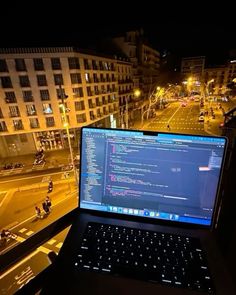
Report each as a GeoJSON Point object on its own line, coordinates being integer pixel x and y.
{"type": "Point", "coordinates": [13, 115]}
{"type": "Point", "coordinates": [10, 100]}
{"type": "Point", "coordinates": [34, 126]}
{"type": "Point", "coordinates": [92, 117]}
{"type": "Point", "coordinates": [18, 127]}
{"type": "Point", "coordinates": [32, 113]}
{"type": "Point", "coordinates": [81, 120]}
{"type": "Point", "coordinates": [28, 99]}
{"type": "Point", "coordinates": [3, 129]}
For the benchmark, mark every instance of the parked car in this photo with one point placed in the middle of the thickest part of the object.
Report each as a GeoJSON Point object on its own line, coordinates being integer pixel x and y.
{"type": "Point", "coordinates": [201, 119]}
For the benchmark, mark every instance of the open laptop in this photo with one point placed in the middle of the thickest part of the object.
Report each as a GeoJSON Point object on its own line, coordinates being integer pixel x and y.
{"type": "Point", "coordinates": [148, 202]}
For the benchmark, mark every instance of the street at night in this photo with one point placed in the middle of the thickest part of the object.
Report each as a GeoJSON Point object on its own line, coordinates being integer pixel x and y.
{"type": "Point", "coordinates": [136, 77]}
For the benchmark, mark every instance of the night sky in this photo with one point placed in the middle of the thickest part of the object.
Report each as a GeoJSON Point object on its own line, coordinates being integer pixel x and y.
{"type": "Point", "coordinates": [185, 33]}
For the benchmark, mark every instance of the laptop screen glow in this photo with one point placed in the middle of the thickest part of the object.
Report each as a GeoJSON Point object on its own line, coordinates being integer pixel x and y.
{"type": "Point", "coordinates": [154, 175]}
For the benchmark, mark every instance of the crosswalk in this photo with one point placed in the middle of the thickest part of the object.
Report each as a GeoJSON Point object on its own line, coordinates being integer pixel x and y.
{"type": "Point", "coordinates": [180, 126]}
{"type": "Point", "coordinates": [52, 245]}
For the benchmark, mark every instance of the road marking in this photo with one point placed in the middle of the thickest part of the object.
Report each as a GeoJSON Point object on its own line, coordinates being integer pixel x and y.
{"type": "Point", "coordinates": [51, 242]}
{"type": "Point", "coordinates": [29, 233]}
{"type": "Point", "coordinates": [46, 178]}
{"type": "Point", "coordinates": [23, 178]}
{"type": "Point", "coordinates": [33, 216]}
{"type": "Point", "coordinates": [3, 197]}
{"type": "Point", "coordinates": [22, 230]}
{"type": "Point", "coordinates": [59, 245]}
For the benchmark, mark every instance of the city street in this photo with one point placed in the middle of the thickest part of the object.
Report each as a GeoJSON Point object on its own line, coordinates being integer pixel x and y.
{"type": "Point", "coordinates": [179, 118]}
{"type": "Point", "coordinates": [20, 196]}
{"type": "Point", "coordinates": [23, 189]}
{"type": "Point", "coordinates": [185, 119]}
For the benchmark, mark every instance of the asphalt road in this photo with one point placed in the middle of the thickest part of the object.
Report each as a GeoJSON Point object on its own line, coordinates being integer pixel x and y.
{"type": "Point", "coordinates": [19, 197]}
{"type": "Point", "coordinates": [180, 119]}
{"type": "Point", "coordinates": [21, 192]}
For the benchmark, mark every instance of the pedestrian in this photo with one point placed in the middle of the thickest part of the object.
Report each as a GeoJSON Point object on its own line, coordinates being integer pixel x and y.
{"type": "Point", "coordinates": [3, 237]}
{"type": "Point", "coordinates": [45, 207]}
{"type": "Point", "coordinates": [48, 203]}
{"type": "Point", "coordinates": [50, 186]}
{"type": "Point", "coordinates": [38, 212]}
{"type": "Point", "coordinates": [168, 127]}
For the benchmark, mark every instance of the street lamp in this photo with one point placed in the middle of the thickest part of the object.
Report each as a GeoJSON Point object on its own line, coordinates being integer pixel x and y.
{"type": "Point", "coordinates": [62, 107]}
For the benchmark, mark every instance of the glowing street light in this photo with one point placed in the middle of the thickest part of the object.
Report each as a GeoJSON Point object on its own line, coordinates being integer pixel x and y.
{"type": "Point", "coordinates": [137, 92]}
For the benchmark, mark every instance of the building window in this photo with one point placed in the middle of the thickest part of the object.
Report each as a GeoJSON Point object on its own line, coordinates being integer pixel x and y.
{"type": "Point", "coordinates": [14, 111]}
{"type": "Point", "coordinates": [56, 63]}
{"type": "Point", "coordinates": [31, 110]}
{"type": "Point", "coordinates": [101, 66]}
{"type": "Point", "coordinates": [78, 92]}
{"type": "Point", "coordinates": [86, 64]}
{"type": "Point", "coordinates": [95, 78]}
{"type": "Point", "coordinates": [75, 78]}
{"type": "Point", "coordinates": [42, 81]}
{"type": "Point", "coordinates": [44, 94]}
{"type": "Point", "coordinates": [20, 65]}
{"type": "Point", "coordinates": [38, 64]}
{"type": "Point", "coordinates": [3, 126]}
{"type": "Point", "coordinates": [81, 118]}
{"type": "Point", "coordinates": [89, 92]}
{"type": "Point", "coordinates": [18, 125]}
{"type": "Point", "coordinates": [10, 97]}
{"type": "Point", "coordinates": [58, 79]}
{"type": "Point", "coordinates": [79, 106]}
{"type": "Point", "coordinates": [87, 78]}
{"type": "Point", "coordinates": [23, 137]}
{"type": "Point", "coordinates": [6, 82]}
{"type": "Point", "coordinates": [61, 92]}
{"type": "Point", "coordinates": [47, 108]}
{"type": "Point", "coordinates": [27, 96]}
{"type": "Point", "coordinates": [3, 65]}
{"type": "Point", "coordinates": [50, 122]}
{"type": "Point", "coordinates": [24, 81]}
{"type": "Point", "coordinates": [34, 123]}
{"type": "Point", "coordinates": [106, 66]}
{"type": "Point", "coordinates": [94, 64]}
{"type": "Point", "coordinates": [73, 63]}
{"type": "Point", "coordinates": [1, 114]}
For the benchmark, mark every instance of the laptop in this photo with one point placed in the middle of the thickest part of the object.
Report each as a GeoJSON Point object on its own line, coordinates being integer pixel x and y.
{"type": "Point", "coordinates": [148, 204]}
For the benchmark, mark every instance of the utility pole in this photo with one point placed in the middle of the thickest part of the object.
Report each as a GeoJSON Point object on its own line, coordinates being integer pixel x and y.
{"type": "Point", "coordinates": [62, 106]}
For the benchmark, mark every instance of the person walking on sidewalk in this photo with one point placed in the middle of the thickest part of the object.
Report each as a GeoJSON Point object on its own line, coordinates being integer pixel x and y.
{"type": "Point", "coordinates": [50, 186]}
{"type": "Point", "coordinates": [48, 203]}
{"type": "Point", "coordinates": [45, 208]}
{"type": "Point", "coordinates": [38, 212]}
{"type": "Point", "coordinates": [168, 127]}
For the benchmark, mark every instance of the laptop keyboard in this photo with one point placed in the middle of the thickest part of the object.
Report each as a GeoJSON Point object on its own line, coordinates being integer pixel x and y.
{"type": "Point", "coordinates": [168, 259]}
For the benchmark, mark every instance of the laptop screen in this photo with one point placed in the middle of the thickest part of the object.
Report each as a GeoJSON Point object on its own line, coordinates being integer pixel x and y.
{"type": "Point", "coordinates": [166, 176]}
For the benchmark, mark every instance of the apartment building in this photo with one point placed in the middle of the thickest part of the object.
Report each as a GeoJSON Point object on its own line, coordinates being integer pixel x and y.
{"type": "Point", "coordinates": [145, 65]}
{"type": "Point", "coordinates": [193, 67]}
{"type": "Point", "coordinates": [218, 77]}
{"type": "Point", "coordinates": [32, 83]}
{"type": "Point", "coordinates": [125, 92]}
{"type": "Point", "coordinates": [221, 77]}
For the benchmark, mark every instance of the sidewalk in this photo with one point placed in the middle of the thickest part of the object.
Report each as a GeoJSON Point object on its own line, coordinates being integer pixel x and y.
{"type": "Point", "coordinates": [54, 159]}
